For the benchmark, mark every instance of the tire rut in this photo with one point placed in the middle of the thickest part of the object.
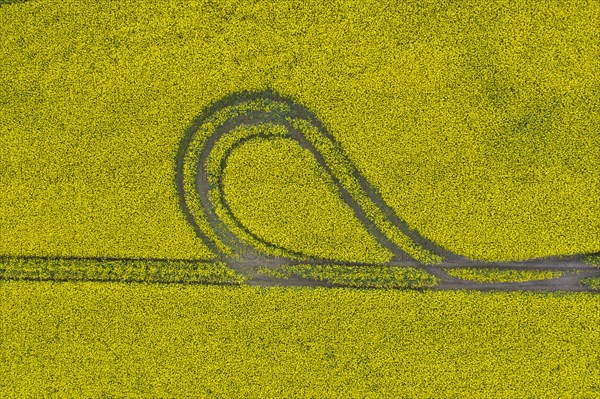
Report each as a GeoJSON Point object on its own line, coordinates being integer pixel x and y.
{"type": "Point", "coordinates": [247, 260]}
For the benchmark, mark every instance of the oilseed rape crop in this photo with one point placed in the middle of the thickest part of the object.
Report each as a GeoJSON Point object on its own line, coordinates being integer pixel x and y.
{"type": "Point", "coordinates": [146, 340]}
{"type": "Point", "coordinates": [167, 166]}
{"type": "Point", "coordinates": [148, 271]}
{"type": "Point", "coordinates": [358, 276]}
{"type": "Point", "coordinates": [592, 282]}
{"type": "Point", "coordinates": [278, 191]}
{"type": "Point", "coordinates": [490, 275]}
{"type": "Point", "coordinates": [475, 121]}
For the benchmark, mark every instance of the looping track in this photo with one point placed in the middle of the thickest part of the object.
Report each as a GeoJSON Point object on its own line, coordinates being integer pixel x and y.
{"type": "Point", "coordinates": [240, 117]}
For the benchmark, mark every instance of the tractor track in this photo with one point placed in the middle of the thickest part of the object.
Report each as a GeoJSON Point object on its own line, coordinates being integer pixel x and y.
{"type": "Point", "coordinates": [249, 260]}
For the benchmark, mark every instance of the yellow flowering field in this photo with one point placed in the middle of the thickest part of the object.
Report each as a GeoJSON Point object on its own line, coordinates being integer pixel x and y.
{"type": "Point", "coordinates": [269, 183]}
{"type": "Point", "coordinates": [476, 121]}
{"type": "Point", "coordinates": [141, 340]}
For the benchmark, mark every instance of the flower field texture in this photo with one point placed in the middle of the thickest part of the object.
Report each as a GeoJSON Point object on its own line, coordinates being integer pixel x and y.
{"type": "Point", "coordinates": [117, 340]}
{"type": "Point", "coordinates": [344, 170]}
{"type": "Point", "coordinates": [502, 275]}
{"type": "Point", "coordinates": [279, 192]}
{"type": "Point", "coordinates": [146, 271]}
{"type": "Point", "coordinates": [359, 276]}
{"type": "Point", "coordinates": [248, 115]}
{"type": "Point", "coordinates": [476, 121]}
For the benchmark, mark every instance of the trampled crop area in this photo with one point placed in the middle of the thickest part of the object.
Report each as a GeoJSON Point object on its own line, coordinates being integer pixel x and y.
{"type": "Point", "coordinates": [422, 155]}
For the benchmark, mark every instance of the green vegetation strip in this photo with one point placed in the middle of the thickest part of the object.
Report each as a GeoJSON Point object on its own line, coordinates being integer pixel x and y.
{"type": "Point", "coordinates": [592, 260]}
{"type": "Point", "coordinates": [592, 282]}
{"type": "Point", "coordinates": [502, 275]}
{"type": "Point", "coordinates": [118, 270]}
{"type": "Point", "coordinates": [168, 341]}
{"type": "Point", "coordinates": [358, 276]}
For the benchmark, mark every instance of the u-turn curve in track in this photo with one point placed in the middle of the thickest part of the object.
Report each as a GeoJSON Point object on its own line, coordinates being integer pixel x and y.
{"type": "Point", "coordinates": [240, 117]}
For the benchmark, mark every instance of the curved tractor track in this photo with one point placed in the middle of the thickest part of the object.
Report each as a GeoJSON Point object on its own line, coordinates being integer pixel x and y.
{"type": "Point", "coordinates": [238, 118]}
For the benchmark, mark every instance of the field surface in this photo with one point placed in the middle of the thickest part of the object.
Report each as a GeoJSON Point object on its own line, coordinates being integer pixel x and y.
{"type": "Point", "coordinates": [303, 199]}
{"type": "Point", "coordinates": [118, 340]}
{"type": "Point", "coordinates": [477, 122]}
